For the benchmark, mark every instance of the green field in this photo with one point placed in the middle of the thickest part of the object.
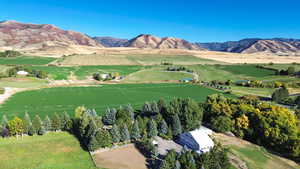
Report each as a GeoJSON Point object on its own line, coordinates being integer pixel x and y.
{"type": "Point", "coordinates": [81, 72]}
{"type": "Point", "coordinates": [51, 151]}
{"type": "Point", "coordinates": [156, 75]}
{"type": "Point", "coordinates": [26, 60]}
{"type": "Point", "coordinates": [23, 82]}
{"type": "Point", "coordinates": [50, 100]}
{"type": "Point", "coordinates": [240, 90]}
{"type": "Point", "coordinates": [284, 66]}
{"type": "Point", "coordinates": [233, 72]}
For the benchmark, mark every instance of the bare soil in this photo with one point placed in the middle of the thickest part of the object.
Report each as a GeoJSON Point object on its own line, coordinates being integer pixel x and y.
{"type": "Point", "coordinates": [127, 157]}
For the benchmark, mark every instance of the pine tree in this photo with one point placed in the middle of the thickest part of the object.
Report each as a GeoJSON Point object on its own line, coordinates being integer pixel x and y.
{"type": "Point", "coordinates": [110, 116]}
{"type": "Point", "coordinates": [115, 134]}
{"type": "Point", "coordinates": [42, 131]}
{"type": "Point", "coordinates": [176, 125]}
{"type": "Point", "coordinates": [98, 121]}
{"type": "Point", "coordinates": [154, 107]}
{"type": "Point", "coordinates": [37, 123]}
{"type": "Point", "coordinates": [187, 161]}
{"type": "Point", "coordinates": [93, 144]}
{"type": "Point", "coordinates": [4, 132]}
{"type": "Point", "coordinates": [163, 127]}
{"type": "Point", "coordinates": [47, 124]}
{"type": "Point", "coordinates": [152, 128]}
{"type": "Point", "coordinates": [67, 122]}
{"type": "Point", "coordinates": [56, 122]}
{"type": "Point", "coordinates": [125, 136]}
{"type": "Point", "coordinates": [31, 130]}
{"type": "Point", "coordinates": [104, 138]}
{"type": "Point", "coordinates": [177, 165]}
{"type": "Point", "coordinates": [135, 131]}
{"type": "Point", "coordinates": [91, 129]}
{"type": "Point", "coordinates": [130, 111]}
{"type": "Point", "coordinates": [27, 123]}
{"type": "Point", "coordinates": [146, 108]}
{"type": "Point", "coordinates": [4, 121]}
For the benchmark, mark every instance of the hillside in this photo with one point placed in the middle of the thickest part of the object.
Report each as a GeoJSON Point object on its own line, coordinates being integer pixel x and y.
{"type": "Point", "coordinates": [110, 41]}
{"type": "Point", "coordinates": [23, 36]}
{"type": "Point", "coordinates": [275, 45]}
{"type": "Point", "coordinates": [153, 42]}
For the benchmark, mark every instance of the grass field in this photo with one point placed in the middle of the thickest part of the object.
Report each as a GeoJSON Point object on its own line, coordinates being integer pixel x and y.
{"type": "Point", "coordinates": [134, 59]}
{"type": "Point", "coordinates": [50, 100]}
{"type": "Point", "coordinates": [240, 90]}
{"type": "Point", "coordinates": [53, 150]}
{"type": "Point", "coordinates": [235, 72]}
{"type": "Point", "coordinates": [22, 82]}
{"type": "Point", "coordinates": [284, 66]}
{"type": "Point", "coordinates": [156, 75]}
{"type": "Point", "coordinates": [26, 60]}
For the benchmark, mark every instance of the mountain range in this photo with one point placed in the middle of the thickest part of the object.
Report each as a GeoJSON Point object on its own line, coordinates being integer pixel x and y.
{"type": "Point", "coordinates": [22, 36]}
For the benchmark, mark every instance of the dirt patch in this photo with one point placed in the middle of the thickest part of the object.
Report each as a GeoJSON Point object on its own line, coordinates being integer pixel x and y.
{"type": "Point", "coordinates": [227, 140]}
{"type": "Point", "coordinates": [127, 157]}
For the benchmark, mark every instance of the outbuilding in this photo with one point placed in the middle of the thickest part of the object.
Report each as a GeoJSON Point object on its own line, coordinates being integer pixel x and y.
{"type": "Point", "coordinates": [22, 73]}
{"type": "Point", "coordinates": [197, 140]}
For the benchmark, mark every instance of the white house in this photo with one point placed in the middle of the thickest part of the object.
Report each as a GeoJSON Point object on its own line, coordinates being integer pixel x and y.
{"type": "Point", "coordinates": [104, 76]}
{"type": "Point", "coordinates": [22, 73]}
{"type": "Point", "coordinates": [197, 140]}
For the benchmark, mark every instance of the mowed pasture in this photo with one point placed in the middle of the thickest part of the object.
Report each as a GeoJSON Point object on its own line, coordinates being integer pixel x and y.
{"type": "Point", "coordinates": [53, 150]}
{"type": "Point", "coordinates": [82, 72]}
{"type": "Point", "coordinates": [26, 60]}
{"type": "Point", "coordinates": [233, 72]}
{"type": "Point", "coordinates": [134, 59]}
{"type": "Point", "coordinates": [50, 100]}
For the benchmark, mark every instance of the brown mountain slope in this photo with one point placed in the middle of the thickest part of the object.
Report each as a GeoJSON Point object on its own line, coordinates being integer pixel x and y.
{"type": "Point", "coordinates": [18, 36]}
{"type": "Point", "coordinates": [272, 46]}
{"type": "Point", "coordinates": [153, 42]}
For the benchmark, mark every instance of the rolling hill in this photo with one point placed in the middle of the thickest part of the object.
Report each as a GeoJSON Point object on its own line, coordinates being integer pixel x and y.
{"type": "Point", "coordinates": [255, 45]}
{"type": "Point", "coordinates": [17, 36]}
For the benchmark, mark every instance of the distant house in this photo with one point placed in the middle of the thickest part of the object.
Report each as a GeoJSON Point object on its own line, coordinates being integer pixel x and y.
{"type": "Point", "coordinates": [186, 80]}
{"type": "Point", "coordinates": [22, 73]}
{"type": "Point", "coordinates": [242, 82]}
{"type": "Point", "coordinates": [104, 76]}
{"type": "Point", "coordinates": [197, 140]}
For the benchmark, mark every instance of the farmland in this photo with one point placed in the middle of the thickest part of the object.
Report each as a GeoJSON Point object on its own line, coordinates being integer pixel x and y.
{"type": "Point", "coordinates": [50, 100]}
{"type": "Point", "coordinates": [134, 59]}
{"type": "Point", "coordinates": [53, 150]}
{"type": "Point", "coordinates": [26, 60]}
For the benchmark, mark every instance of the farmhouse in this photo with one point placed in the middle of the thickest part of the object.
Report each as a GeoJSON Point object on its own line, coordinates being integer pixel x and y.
{"type": "Point", "coordinates": [197, 140]}
{"type": "Point", "coordinates": [186, 80]}
{"type": "Point", "coordinates": [104, 76]}
{"type": "Point", "coordinates": [22, 73]}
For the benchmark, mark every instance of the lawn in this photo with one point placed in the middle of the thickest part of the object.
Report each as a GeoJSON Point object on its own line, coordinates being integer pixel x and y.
{"type": "Point", "coordinates": [240, 90]}
{"type": "Point", "coordinates": [284, 66]}
{"type": "Point", "coordinates": [60, 99]}
{"type": "Point", "coordinates": [55, 72]}
{"type": "Point", "coordinates": [53, 150]}
{"type": "Point", "coordinates": [26, 60]}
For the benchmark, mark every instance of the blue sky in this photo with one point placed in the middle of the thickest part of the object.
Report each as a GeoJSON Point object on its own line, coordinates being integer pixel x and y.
{"type": "Point", "coordinates": [193, 20]}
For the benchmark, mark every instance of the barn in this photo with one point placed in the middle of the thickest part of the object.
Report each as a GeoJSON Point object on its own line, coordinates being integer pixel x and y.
{"type": "Point", "coordinates": [197, 140]}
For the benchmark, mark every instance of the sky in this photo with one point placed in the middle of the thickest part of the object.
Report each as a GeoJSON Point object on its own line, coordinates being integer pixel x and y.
{"type": "Point", "coordinates": [193, 20]}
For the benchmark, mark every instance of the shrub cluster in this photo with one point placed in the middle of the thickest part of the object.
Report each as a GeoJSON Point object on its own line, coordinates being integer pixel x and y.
{"type": "Point", "coordinates": [10, 53]}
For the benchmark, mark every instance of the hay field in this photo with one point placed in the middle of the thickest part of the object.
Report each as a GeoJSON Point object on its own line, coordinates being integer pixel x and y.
{"type": "Point", "coordinates": [50, 100]}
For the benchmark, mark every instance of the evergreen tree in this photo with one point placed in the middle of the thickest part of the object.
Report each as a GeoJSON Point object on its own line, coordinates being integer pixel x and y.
{"type": "Point", "coordinates": [42, 131]}
{"type": "Point", "coordinates": [176, 125]}
{"type": "Point", "coordinates": [98, 121]}
{"type": "Point", "coordinates": [104, 138]}
{"type": "Point", "coordinates": [177, 165]}
{"type": "Point", "coordinates": [31, 130]}
{"type": "Point", "coordinates": [47, 124]}
{"type": "Point", "coordinates": [130, 111]}
{"type": "Point", "coordinates": [16, 126]}
{"type": "Point", "coordinates": [125, 136]}
{"type": "Point", "coordinates": [154, 107]}
{"type": "Point", "coordinates": [135, 131]}
{"type": "Point", "coordinates": [163, 127]}
{"type": "Point", "coordinates": [27, 123]}
{"type": "Point", "coordinates": [4, 121]}
{"type": "Point", "coordinates": [37, 123]}
{"type": "Point", "coordinates": [83, 123]}
{"type": "Point", "coordinates": [109, 117]}
{"type": "Point", "coordinates": [91, 129]}
{"type": "Point", "coordinates": [56, 122]}
{"type": "Point", "coordinates": [280, 94]}
{"type": "Point", "coordinates": [146, 108]}
{"type": "Point", "coordinates": [115, 134]}
{"type": "Point", "coordinates": [93, 144]}
{"type": "Point", "coordinates": [4, 132]}
{"type": "Point", "coordinates": [162, 106]}
{"type": "Point", "coordinates": [152, 128]}
{"type": "Point", "coordinates": [170, 160]}
{"type": "Point", "coordinates": [187, 161]}
{"type": "Point", "coordinates": [67, 122]}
